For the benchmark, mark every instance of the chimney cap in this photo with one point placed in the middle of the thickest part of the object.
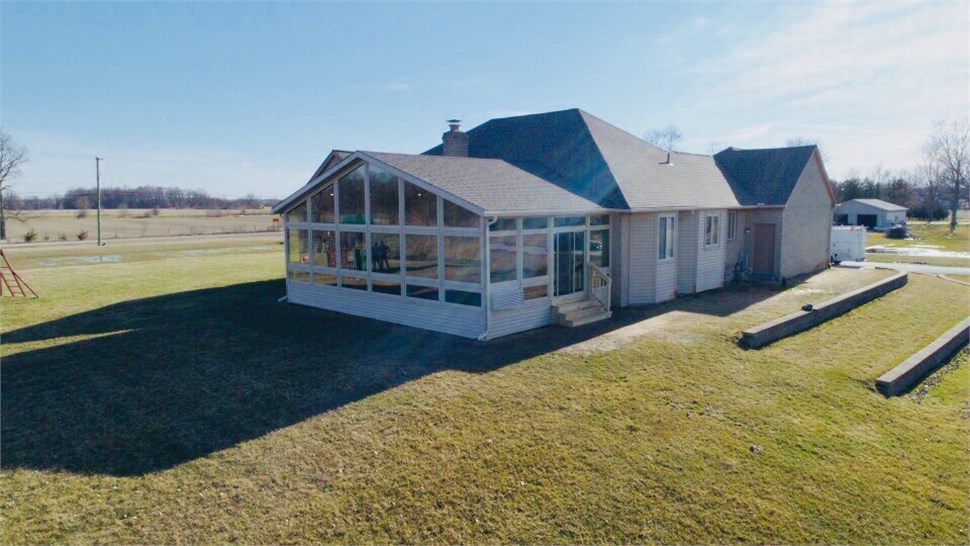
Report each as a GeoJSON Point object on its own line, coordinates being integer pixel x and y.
{"type": "Point", "coordinates": [450, 121]}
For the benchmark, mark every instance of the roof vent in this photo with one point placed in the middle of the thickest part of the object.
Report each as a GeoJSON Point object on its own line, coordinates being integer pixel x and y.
{"type": "Point", "coordinates": [455, 141]}
{"type": "Point", "coordinates": [668, 162]}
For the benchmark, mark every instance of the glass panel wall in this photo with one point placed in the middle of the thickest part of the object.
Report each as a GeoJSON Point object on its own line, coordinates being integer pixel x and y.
{"type": "Point", "coordinates": [535, 223]}
{"type": "Point", "coordinates": [463, 259]}
{"type": "Point", "coordinates": [421, 256]}
{"type": "Point", "coordinates": [535, 255]}
{"type": "Point", "coordinates": [420, 206]}
{"type": "Point", "coordinates": [502, 260]}
{"type": "Point", "coordinates": [352, 197]}
{"type": "Point", "coordinates": [599, 247]}
{"type": "Point", "coordinates": [297, 215]}
{"type": "Point", "coordinates": [383, 197]}
{"type": "Point", "coordinates": [463, 297]}
{"type": "Point", "coordinates": [326, 279]}
{"type": "Point", "coordinates": [368, 245]}
{"type": "Point", "coordinates": [298, 243]}
{"type": "Point", "coordinates": [353, 251]}
{"type": "Point", "coordinates": [324, 248]}
{"type": "Point", "coordinates": [386, 287]}
{"type": "Point", "coordinates": [385, 253]}
{"type": "Point", "coordinates": [321, 206]}
{"type": "Point", "coordinates": [422, 292]}
{"type": "Point", "coordinates": [356, 283]}
{"type": "Point", "coordinates": [503, 224]}
{"type": "Point", "coordinates": [456, 216]}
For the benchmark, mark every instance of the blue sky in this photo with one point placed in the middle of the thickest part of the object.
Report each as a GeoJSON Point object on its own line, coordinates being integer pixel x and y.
{"type": "Point", "coordinates": [239, 98]}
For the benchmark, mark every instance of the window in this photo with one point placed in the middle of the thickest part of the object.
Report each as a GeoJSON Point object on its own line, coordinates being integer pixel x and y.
{"type": "Point", "coordinates": [353, 252]}
{"type": "Point", "coordinates": [422, 292]}
{"type": "Point", "coordinates": [456, 216]}
{"type": "Point", "coordinates": [302, 276]}
{"type": "Point", "coordinates": [732, 225]}
{"type": "Point", "coordinates": [298, 240]}
{"type": "Point", "coordinates": [711, 230]}
{"type": "Point", "coordinates": [355, 283]}
{"type": "Point", "coordinates": [569, 221]}
{"type": "Point", "coordinates": [535, 254]}
{"type": "Point", "coordinates": [385, 253]}
{"type": "Point", "coordinates": [386, 287]}
{"type": "Point", "coordinates": [503, 224]}
{"type": "Point", "coordinates": [420, 206]}
{"type": "Point", "coordinates": [352, 197]}
{"type": "Point", "coordinates": [325, 279]}
{"type": "Point", "coordinates": [324, 248]}
{"type": "Point", "coordinates": [502, 258]}
{"type": "Point", "coordinates": [462, 297]}
{"type": "Point", "coordinates": [298, 214]}
{"type": "Point", "coordinates": [601, 220]}
{"type": "Point", "coordinates": [599, 247]}
{"type": "Point", "coordinates": [383, 197]}
{"type": "Point", "coordinates": [666, 237]}
{"type": "Point", "coordinates": [321, 206]}
{"type": "Point", "coordinates": [421, 256]}
{"type": "Point", "coordinates": [535, 223]}
{"type": "Point", "coordinates": [463, 259]}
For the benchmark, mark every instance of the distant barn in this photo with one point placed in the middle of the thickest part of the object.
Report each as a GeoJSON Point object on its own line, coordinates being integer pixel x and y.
{"type": "Point", "coordinates": [873, 213]}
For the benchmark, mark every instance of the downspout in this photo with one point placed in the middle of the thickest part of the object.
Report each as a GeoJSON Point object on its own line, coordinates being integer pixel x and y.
{"type": "Point", "coordinates": [486, 278]}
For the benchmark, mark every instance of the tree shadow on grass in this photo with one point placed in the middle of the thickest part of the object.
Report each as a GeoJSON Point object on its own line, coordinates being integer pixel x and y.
{"type": "Point", "coordinates": [172, 378]}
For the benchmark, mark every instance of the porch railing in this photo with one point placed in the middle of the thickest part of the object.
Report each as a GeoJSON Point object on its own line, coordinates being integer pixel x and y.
{"type": "Point", "coordinates": [600, 285]}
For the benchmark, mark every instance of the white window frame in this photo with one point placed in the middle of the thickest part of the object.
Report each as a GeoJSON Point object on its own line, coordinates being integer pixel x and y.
{"type": "Point", "coordinates": [715, 231]}
{"type": "Point", "coordinates": [671, 242]}
{"type": "Point", "coordinates": [732, 225]}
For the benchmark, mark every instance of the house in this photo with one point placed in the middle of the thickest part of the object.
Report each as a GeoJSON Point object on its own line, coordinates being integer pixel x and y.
{"type": "Point", "coordinates": [875, 214]}
{"type": "Point", "coordinates": [554, 217]}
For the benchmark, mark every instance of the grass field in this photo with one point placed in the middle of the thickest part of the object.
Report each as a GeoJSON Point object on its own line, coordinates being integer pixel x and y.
{"type": "Point", "coordinates": [167, 398]}
{"type": "Point", "coordinates": [936, 236]}
{"type": "Point", "coordinates": [50, 225]}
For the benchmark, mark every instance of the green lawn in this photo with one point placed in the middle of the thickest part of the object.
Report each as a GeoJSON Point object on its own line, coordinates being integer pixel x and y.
{"type": "Point", "coordinates": [935, 234]}
{"type": "Point", "coordinates": [169, 399]}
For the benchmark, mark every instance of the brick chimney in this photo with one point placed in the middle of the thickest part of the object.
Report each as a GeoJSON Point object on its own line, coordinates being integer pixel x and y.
{"type": "Point", "coordinates": [455, 141]}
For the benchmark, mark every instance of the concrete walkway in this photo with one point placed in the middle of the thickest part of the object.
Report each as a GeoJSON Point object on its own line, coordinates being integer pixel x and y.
{"type": "Point", "coordinates": [911, 268]}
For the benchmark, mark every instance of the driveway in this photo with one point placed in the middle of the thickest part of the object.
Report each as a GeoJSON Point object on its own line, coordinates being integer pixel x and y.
{"type": "Point", "coordinates": [911, 268]}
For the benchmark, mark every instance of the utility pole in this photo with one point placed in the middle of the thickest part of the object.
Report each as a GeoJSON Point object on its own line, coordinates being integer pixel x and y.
{"type": "Point", "coordinates": [97, 168]}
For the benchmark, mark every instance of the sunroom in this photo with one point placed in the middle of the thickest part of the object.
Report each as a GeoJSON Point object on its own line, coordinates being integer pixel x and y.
{"type": "Point", "coordinates": [471, 247]}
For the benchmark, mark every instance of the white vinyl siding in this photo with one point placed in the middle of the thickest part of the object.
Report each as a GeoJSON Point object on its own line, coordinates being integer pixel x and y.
{"type": "Point", "coordinates": [643, 258]}
{"type": "Point", "coordinates": [687, 245]}
{"type": "Point", "coordinates": [532, 314]}
{"type": "Point", "coordinates": [710, 257]}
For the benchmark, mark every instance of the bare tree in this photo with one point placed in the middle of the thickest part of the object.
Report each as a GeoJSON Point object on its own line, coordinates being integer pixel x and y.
{"type": "Point", "coordinates": [12, 156]}
{"type": "Point", "coordinates": [948, 148]}
{"type": "Point", "coordinates": [665, 138]}
{"type": "Point", "coordinates": [800, 141]}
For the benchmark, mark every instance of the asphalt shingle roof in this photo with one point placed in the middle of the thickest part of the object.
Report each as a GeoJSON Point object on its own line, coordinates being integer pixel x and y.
{"type": "Point", "coordinates": [571, 161]}
{"type": "Point", "coordinates": [763, 177]}
{"type": "Point", "coordinates": [492, 184]}
{"type": "Point", "coordinates": [555, 146]}
{"type": "Point", "coordinates": [878, 203]}
{"type": "Point", "coordinates": [647, 181]}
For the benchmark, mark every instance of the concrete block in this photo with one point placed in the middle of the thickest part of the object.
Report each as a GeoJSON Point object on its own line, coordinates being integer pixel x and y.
{"type": "Point", "coordinates": [800, 321]}
{"type": "Point", "coordinates": [912, 370]}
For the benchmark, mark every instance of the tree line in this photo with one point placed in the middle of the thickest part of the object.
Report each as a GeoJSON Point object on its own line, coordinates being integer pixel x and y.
{"type": "Point", "coordinates": [923, 200]}
{"type": "Point", "coordinates": [142, 197]}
